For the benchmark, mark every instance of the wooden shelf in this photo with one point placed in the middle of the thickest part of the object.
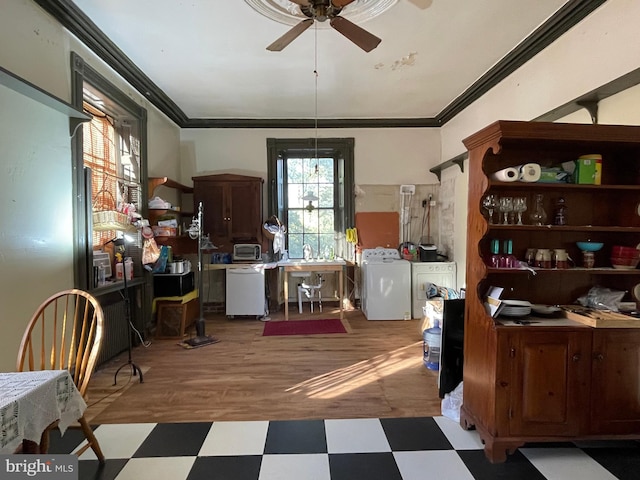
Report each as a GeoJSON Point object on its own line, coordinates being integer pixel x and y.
{"type": "Point", "coordinates": [559, 186]}
{"type": "Point", "coordinates": [565, 228]}
{"type": "Point", "coordinates": [572, 270]}
{"type": "Point", "coordinates": [155, 182]}
{"type": "Point", "coordinates": [168, 211]}
{"type": "Point", "coordinates": [182, 244]}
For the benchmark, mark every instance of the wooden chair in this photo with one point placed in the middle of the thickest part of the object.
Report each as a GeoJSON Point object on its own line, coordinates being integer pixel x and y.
{"type": "Point", "coordinates": [65, 333]}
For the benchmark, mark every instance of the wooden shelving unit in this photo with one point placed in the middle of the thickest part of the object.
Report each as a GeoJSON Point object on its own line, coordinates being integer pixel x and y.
{"type": "Point", "coordinates": [544, 382]}
{"type": "Point", "coordinates": [180, 244]}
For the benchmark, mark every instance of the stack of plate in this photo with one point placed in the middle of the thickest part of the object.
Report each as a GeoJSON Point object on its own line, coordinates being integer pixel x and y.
{"type": "Point", "coordinates": [515, 308]}
{"type": "Point", "coordinates": [546, 309]}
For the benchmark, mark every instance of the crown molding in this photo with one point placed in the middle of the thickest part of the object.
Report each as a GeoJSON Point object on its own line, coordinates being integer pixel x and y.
{"type": "Point", "coordinates": [310, 123]}
{"type": "Point", "coordinates": [74, 20]}
{"type": "Point", "coordinates": [572, 13]}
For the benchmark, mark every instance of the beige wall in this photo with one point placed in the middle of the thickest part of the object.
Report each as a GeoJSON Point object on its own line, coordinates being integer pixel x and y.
{"type": "Point", "coordinates": [36, 253]}
{"type": "Point", "coordinates": [383, 156]}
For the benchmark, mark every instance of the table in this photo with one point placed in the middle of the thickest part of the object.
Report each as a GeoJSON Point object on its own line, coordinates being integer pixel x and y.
{"type": "Point", "coordinates": [31, 401]}
{"type": "Point", "coordinates": [313, 266]}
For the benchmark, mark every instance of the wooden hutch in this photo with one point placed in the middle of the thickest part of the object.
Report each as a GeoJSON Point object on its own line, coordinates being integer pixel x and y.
{"type": "Point", "coordinates": [543, 382]}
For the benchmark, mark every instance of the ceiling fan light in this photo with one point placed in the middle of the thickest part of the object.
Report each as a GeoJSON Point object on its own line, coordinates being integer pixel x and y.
{"type": "Point", "coordinates": [289, 13]}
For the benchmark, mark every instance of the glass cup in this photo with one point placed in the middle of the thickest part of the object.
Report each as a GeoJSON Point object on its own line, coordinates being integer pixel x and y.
{"type": "Point", "coordinates": [519, 206]}
{"type": "Point", "coordinates": [560, 258]}
{"type": "Point", "coordinates": [530, 256]}
{"type": "Point", "coordinates": [506, 207]}
{"type": "Point", "coordinates": [588, 259]}
{"type": "Point", "coordinates": [490, 203]}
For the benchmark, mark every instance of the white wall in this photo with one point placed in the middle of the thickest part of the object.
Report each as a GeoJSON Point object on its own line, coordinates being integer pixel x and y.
{"type": "Point", "coordinates": [383, 156]}
{"type": "Point", "coordinates": [36, 251]}
{"type": "Point", "coordinates": [601, 48]}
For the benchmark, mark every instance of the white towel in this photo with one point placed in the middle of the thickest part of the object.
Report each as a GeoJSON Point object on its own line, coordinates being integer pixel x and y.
{"type": "Point", "coordinates": [530, 172]}
{"type": "Point", "coordinates": [509, 174]}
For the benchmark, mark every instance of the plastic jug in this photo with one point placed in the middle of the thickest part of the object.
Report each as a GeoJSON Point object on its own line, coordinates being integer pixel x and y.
{"type": "Point", "coordinates": [431, 338]}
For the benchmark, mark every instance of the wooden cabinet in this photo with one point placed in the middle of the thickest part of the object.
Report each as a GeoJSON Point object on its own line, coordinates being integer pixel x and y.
{"type": "Point", "coordinates": [615, 382]}
{"type": "Point", "coordinates": [551, 382]}
{"type": "Point", "coordinates": [182, 211]}
{"type": "Point", "coordinates": [232, 208]}
{"type": "Point", "coordinates": [542, 403]}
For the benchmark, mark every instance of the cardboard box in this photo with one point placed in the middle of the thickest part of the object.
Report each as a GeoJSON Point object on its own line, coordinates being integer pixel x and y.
{"type": "Point", "coordinates": [585, 173]}
{"type": "Point", "coordinates": [553, 175]}
{"type": "Point", "coordinates": [164, 231]}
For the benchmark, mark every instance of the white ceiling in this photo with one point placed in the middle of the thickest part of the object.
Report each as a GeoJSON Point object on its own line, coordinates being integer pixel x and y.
{"type": "Point", "coordinates": [209, 56]}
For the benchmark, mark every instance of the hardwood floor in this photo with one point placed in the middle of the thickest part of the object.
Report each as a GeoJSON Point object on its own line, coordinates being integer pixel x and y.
{"type": "Point", "coordinates": [373, 371]}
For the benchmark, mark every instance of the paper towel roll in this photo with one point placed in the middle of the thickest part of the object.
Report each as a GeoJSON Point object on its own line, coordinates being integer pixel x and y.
{"type": "Point", "coordinates": [530, 172]}
{"type": "Point", "coordinates": [509, 174]}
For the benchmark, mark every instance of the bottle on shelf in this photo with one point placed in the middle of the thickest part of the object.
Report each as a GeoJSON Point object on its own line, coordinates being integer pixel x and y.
{"type": "Point", "coordinates": [560, 217]}
{"type": "Point", "coordinates": [538, 215]}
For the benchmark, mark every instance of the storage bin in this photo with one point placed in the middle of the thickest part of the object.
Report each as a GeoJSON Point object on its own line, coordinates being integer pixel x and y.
{"type": "Point", "coordinates": [175, 317]}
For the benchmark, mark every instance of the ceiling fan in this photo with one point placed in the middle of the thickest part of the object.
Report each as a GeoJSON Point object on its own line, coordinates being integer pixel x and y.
{"type": "Point", "coordinates": [321, 10]}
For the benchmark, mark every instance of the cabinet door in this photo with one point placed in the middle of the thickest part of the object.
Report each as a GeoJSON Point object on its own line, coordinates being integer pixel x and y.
{"type": "Point", "coordinates": [549, 382]}
{"type": "Point", "coordinates": [245, 216]}
{"type": "Point", "coordinates": [212, 196]}
{"type": "Point", "coordinates": [615, 399]}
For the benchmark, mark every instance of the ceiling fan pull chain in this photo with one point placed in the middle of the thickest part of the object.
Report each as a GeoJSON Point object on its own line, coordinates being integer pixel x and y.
{"type": "Point", "coordinates": [315, 72]}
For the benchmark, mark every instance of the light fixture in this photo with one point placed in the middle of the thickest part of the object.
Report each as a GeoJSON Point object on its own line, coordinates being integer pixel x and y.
{"type": "Point", "coordinates": [289, 13]}
{"type": "Point", "coordinates": [310, 197]}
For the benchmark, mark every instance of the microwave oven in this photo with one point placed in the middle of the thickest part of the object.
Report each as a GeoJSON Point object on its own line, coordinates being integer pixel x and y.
{"type": "Point", "coordinates": [247, 252]}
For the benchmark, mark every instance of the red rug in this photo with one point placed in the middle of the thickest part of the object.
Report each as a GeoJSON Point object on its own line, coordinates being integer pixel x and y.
{"type": "Point", "coordinates": [303, 327]}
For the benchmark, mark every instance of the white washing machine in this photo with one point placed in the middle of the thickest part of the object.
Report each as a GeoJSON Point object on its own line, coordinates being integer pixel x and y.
{"type": "Point", "coordinates": [442, 274]}
{"type": "Point", "coordinates": [386, 285]}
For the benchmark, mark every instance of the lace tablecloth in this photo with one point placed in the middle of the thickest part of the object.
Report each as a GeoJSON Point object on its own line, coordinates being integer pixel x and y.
{"type": "Point", "coordinates": [31, 401]}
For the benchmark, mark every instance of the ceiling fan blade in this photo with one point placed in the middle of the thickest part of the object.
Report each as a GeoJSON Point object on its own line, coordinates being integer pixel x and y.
{"type": "Point", "coordinates": [341, 3]}
{"type": "Point", "coordinates": [290, 36]}
{"type": "Point", "coordinates": [365, 40]}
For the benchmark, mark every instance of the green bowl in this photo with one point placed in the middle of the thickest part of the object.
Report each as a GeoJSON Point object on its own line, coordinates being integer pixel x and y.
{"type": "Point", "coordinates": [589, 246]}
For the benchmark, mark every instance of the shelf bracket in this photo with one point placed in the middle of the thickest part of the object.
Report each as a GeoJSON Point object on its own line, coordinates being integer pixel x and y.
{"type": "Point", "coordinates": [592, 107]}
{"type": "Point", "coordinates": [459, 161]}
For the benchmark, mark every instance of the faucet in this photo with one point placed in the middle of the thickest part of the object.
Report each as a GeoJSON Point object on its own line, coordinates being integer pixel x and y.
{"type": "Point", "coordinates": [307, 252]}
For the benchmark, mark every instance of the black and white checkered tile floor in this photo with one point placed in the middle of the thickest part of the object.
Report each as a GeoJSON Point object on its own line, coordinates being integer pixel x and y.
{"type": "Point", "coordinates": [367, 449]}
